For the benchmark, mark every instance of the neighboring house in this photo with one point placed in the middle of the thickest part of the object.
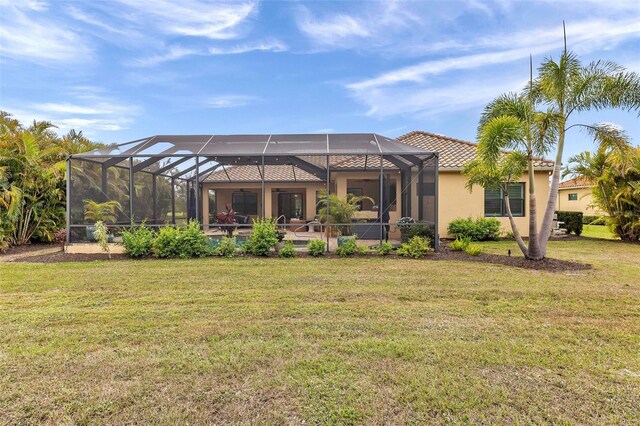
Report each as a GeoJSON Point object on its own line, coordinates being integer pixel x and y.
{"type": "Point", "coordinates": [293, 192]}
{"type": "Point", "coordinates": [574, 195]}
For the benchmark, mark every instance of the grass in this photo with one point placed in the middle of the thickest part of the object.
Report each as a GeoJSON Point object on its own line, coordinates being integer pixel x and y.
{"type": "Point", "coordinates": [323, 341]}
{"type": "Point", "coordinates": [598, 231]}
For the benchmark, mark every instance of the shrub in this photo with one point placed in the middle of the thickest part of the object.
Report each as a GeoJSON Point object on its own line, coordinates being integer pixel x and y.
{"type": "Point", "coordinates": [460, 244]}
{"type": "Point", "coordinates": [4, 242]}
{"type": "Point", "coordinates": [384, 249]}
{"type": "Point", "coordinates": [192, 241]}
{"type": "Point", "coordinates": [317, 247]}
{"type": "Point", "coordinates": [410, 228]}
{"type": "Point", "coordinates": [480, 229]}
{"type": "Point", "coordinates": [227, 247]}
{"type": "Point", "coordinates": [362, 249]}
{"type": "Point", "coordinates": [263, 238]}
{"type": "Point", "coordinates": [473, 249]}
{"type": "Point", "coordinates": [167, 242]}
{"type": "Point", "coordinates": [593, 220]}
{"type": "Point", "coordinates": [101, 235]}
{"type": "Point", "coordinates": [416, 247]}
{"type": "Point", "coordinates": [572, 221]}
{"type": "Point", "coordinates": [138, 241]}
{"type": "Point", "coordinates": [348, 248]}
{"type": "Point", "coordinates": [60, 237]}
{"type": "Point", "coordinates": [289, 250]}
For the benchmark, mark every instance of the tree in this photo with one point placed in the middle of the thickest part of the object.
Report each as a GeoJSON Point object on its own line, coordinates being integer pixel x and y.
{"type": "Point", "coordinates": [614, 172]}
{"type": "Point", "coordinates": [513, 122]}
{"type": "Point", "coordinates": [32, 197]}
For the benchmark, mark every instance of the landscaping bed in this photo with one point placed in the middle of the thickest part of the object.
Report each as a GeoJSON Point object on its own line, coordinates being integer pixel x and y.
{"type": "Point", "coordinates": [445, 254]}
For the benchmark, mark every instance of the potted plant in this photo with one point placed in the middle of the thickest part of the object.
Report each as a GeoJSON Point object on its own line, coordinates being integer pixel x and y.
{"type": "Point", "coordinates": [100, 212]}
{"type": "Point", "coordinates": [227, 217]}
{"type": "Point", "coordinates": [334, 209]}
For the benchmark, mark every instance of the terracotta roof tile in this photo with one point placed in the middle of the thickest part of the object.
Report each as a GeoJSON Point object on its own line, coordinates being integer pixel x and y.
{"type": "Point", "coordinates": [252, 174]}
{"type": "Point", "coordinates": [575, 183]}
{"type": "Point", "coordinates": [454, 153]}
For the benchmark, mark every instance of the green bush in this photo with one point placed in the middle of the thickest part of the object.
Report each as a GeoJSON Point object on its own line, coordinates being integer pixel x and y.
{"type": "Point", "coordinates": [572, 221]}
{"type": "Point", "coordinates": [384, 249]}
{"type": "Point", "coordinates": [167, 242]}
{"type": "Point", "coordinates": [416, 247]}
{"type": "Point", "coordinates": [593, 220]}
{"type": "Point", "coordinates": [138, 241]}
{"type": "Point", "coordinates": [362, 249]}
{"type": "Point", "coordinates": [101, 235]}
{"type": "Point", "coordinates": [348, 248]}
{"type": "Point", "coordinates": [289, 250]}
{"type": "Point", "coordinates": [409, 230]}
{"type": "Point", "coordinates": [473, 249]}
{"type": "Point", "coordinates": [263, 237]}
{"type": "Point", "coordinates": [480, 229]}
{"type": "Point", "coordinates": [460, 244]}
{"type": "Point", "coordinates": [227, 247]}
{"type": "Point", "coordinates": [192, 241]}
{"type": "Point", "coordinates": [317, 247]}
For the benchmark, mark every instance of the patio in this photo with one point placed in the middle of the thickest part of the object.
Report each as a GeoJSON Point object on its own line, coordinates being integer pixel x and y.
{"type": "Point", "coordinates": [171, 179]}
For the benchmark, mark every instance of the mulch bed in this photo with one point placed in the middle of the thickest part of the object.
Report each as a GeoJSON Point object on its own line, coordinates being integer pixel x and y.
{"type": "Point", "coordinates": [550, 265]}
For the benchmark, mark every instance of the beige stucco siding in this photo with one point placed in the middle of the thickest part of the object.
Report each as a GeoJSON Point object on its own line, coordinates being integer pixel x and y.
{"type": "Point", "coordinates": [582, 204]}
{"type": "Point", "coordinates": [455, 201]}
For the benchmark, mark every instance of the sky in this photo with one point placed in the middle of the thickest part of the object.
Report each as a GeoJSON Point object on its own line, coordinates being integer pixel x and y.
{"type": "Point", "coordinates": [121, 70]}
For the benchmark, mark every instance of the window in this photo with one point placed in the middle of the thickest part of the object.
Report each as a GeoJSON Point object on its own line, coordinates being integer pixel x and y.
{"type": "Point", "coordinates": [494, 201]}
{"type": "Point", "coordinates": [213, 214]}
{"type": "Point", "coordinates": [573, 196]}
{"type": "Point", "coordinates": [245, 203]}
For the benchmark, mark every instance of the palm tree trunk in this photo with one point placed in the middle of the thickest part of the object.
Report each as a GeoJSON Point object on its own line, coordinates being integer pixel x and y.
{"type": "Point", "coordinates": [547, 220]}
{"type": "Point", "coordinates": [514, 227]}
{"type": "Point", "coordinates": [534, 244]}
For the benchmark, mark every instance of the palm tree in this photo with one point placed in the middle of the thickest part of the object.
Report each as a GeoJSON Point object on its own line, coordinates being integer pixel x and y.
{"type": "Point", "coordinates": [564, 87]}
{"type": "Point", "coordinates": [338, 210]}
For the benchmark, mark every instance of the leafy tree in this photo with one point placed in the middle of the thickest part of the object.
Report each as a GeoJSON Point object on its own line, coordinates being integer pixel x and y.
{"type": "Point", "coordinates": [32, 196]}
{"type": "Point", "coordinates": [515, 122]}
{"type": "Point", "coordinates": [614, 172]}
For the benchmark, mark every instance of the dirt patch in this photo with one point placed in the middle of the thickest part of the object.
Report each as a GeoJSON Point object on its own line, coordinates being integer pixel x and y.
{"type": "Point", "coordinates": [550, 265]}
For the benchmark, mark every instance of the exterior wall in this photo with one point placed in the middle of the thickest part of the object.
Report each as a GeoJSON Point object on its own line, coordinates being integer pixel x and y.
{"type": "Point", "coordinates": [582, 204]}
{"type": "Point", "coordinates": [455, 201]}
{"type": "Point", "coordinates": [224, 192]}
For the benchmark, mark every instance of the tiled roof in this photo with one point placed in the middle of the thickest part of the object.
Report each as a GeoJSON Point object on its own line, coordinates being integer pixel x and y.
{"type": "Point", "coordinates": [252, 174]}
{"type": "Point", "coordinates": [454, 153]}
{"type": "Point", "coordinates": [575, 183]}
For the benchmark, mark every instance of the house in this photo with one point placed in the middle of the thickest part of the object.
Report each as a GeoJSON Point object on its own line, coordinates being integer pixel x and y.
{"type": "Point", "coordinates": [574, 195]}
{"type": "Point", "coordinates": [292, 193]}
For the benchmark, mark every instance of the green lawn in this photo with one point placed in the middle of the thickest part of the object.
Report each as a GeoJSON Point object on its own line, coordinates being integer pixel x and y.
{"type": "Point", "coordinates": [323, 341]}
{"type": "Point", "coordinates": [598, 231]}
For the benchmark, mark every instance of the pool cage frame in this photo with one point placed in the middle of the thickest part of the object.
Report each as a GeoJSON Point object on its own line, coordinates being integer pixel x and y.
{"type": "Point", "coordinates": [189, 159]}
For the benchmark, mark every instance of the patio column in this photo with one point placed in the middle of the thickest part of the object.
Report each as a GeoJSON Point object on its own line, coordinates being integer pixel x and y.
{"type": "Point", "coordinates": [131, 190]}
{"type": "Point", "coordinates": [328, 224]}
{"type": "Point", "coordinates": [173, 201]}
{"type": "Point", "coordinates": [436, 235]}
{"type": "Point", "coordinates": [381, 199]}
{"type": "Point", "coordinates": [262, 189]}
{"type": "Point", "coordinates": [196, 188]}
{"type": "Point", "coordinates": [68, 200]}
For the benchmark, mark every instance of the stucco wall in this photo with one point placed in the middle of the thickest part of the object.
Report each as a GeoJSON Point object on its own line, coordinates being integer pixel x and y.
{"type": "Point", "coordinates": [456, 201]}
{"type": "Point", "coordinates": [582, 204]}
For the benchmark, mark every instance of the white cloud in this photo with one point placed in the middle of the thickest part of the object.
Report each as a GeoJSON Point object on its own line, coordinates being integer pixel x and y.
{"type": "Point", "coordinates": [333, 30]}
{"type": "Point", "coordinates": [89, 110]}
{"type": "Point", "coordinates": [178, 52]}
{"type": "Point", "coordinates": [230, 101]}
{"type": "Point", "coordinates": [35, 38]}
{"type": "Point", "coordinates": [213, 20]}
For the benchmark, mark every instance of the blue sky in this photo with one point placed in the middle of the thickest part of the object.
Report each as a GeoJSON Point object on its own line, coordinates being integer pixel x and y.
{"type": "Point", "coordinates": [121, 70]}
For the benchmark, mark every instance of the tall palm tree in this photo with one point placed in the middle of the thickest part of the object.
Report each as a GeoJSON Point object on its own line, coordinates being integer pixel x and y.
{"type": "Point", "coordinates": [512, 121]}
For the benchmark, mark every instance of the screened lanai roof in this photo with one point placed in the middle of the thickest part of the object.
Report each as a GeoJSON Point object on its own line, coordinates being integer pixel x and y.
{"type": "Point", "coordinates": [180, 155]}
